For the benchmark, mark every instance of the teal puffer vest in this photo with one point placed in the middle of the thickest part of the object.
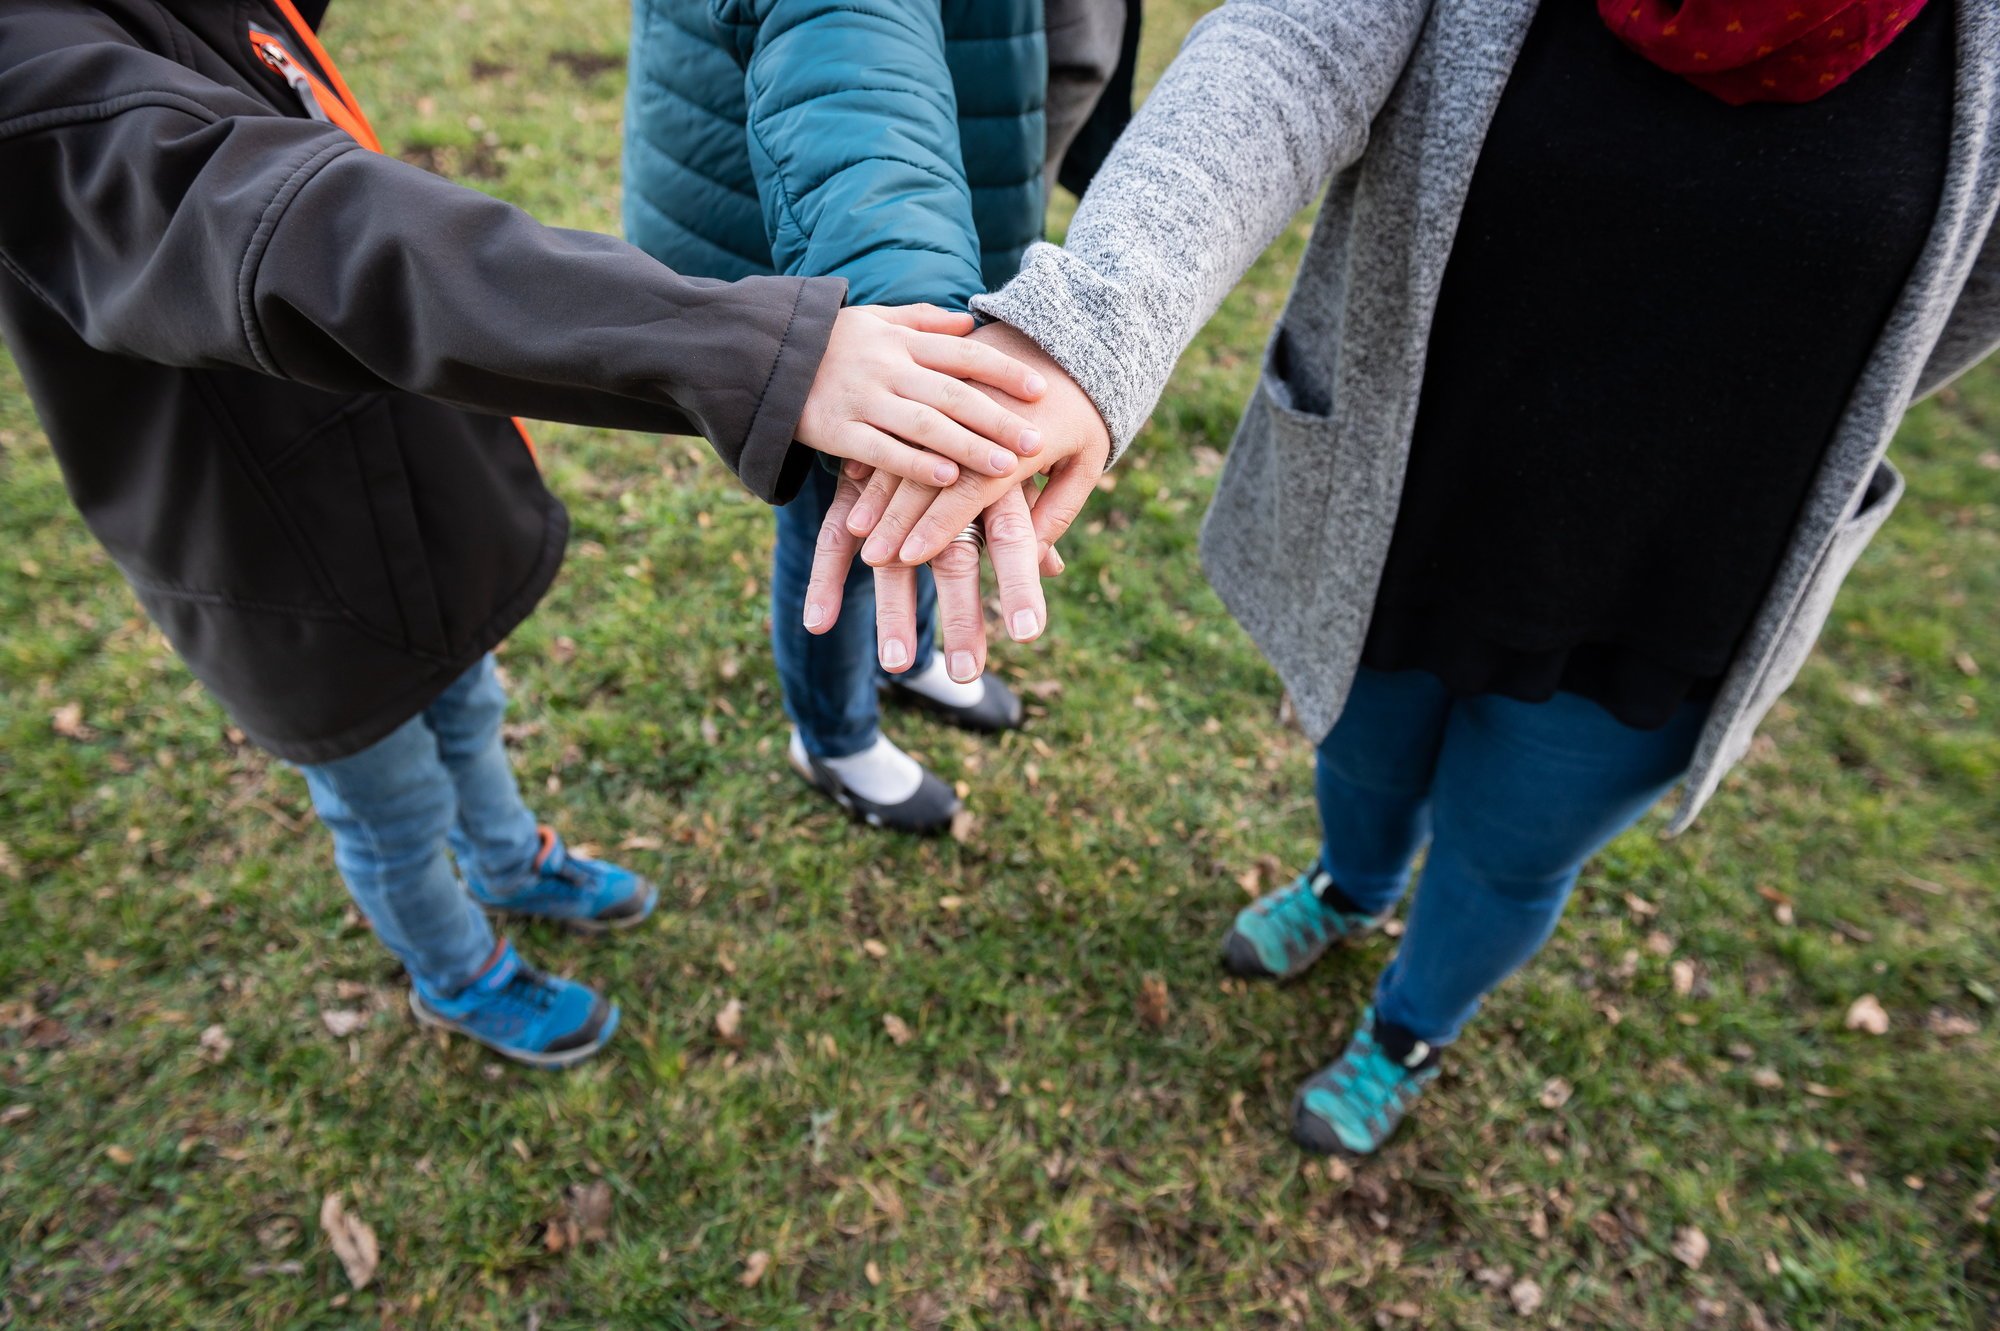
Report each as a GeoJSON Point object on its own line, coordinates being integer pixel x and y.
{"type": "Point", "coordinates": [896, 143]}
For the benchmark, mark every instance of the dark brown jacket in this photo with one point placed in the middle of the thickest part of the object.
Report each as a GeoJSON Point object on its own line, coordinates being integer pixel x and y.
{"type": "Point", "coordinates": [277, 367]}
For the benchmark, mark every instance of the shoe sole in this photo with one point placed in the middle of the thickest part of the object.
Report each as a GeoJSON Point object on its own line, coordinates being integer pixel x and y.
{"type": "Point", "coordinates": [1247, 965]}
{"type": "Point", "coordinates": [576, 924]}
{"type": "Point", "coordinates": [854, 812]}
{"type": "Point", "coordinates": [563, 1058]}
{"type": "Point", "coordinates": [949, 715]}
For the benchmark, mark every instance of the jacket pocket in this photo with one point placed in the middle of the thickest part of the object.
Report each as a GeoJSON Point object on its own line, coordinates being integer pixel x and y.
{"type": "Point", "coordinates": [347, 489]}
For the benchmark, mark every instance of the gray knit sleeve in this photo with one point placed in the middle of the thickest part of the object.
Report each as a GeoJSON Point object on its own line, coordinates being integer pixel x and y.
{"type": "Point", "coordinates": [1266, 100]}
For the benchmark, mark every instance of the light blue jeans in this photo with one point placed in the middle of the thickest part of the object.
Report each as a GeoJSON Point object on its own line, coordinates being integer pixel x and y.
{"type": "Point", "coordinates": [441, 780]}
{"type": "Point", "coordinates": [1512, 799]}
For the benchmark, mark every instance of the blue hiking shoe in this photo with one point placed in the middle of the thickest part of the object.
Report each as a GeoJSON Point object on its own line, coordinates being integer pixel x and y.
{"type": "Point", "coordinates": [589, 895]}
{"type": "Point", "coordinates": [530, 1016]}
{"type": "Point", "coordinates": [1355, 1105]}
{"type": "Point", "coordinates": [1281, 934]}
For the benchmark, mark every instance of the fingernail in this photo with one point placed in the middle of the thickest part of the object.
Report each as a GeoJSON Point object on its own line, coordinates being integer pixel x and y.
{"type": "Point", "coordinates": [1030, 441]}
{"type": "Point", "coordinates": [860, 522]}
{"type": "Point", "coordinates": [1056, 556]}
{"type": "Point", "coordinates": [909, 554]}
{"type": "Point", "coordinates": [1002, 462]}
{"type": "Point", "coordinates": [963, 668]}
{"type": "Point", "coordinates": [815, 614]}
{"type": "Point", "coordinates": [945, 473]}
{"type": "Point", "coordinates": [894, 654]}
{"type": "Point", "coordinates": [1036, 383]}
{"type": "Point", "coordinates": [1026, 625]}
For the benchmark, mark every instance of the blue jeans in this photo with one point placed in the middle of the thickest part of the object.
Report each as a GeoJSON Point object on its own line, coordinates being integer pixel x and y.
{"type": "Point", "coordinates": [1512, 799]}
{"type": "Point", "coordinates": [440, 780]}
{"type": "Point", "coordinates": [829, 680]}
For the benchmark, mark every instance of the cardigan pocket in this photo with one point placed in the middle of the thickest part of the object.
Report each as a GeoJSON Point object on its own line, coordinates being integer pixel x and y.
{"type": "Point", "coordinates": [1815, 604]}
{"type": "Point", "coordinates": [1305, 453]}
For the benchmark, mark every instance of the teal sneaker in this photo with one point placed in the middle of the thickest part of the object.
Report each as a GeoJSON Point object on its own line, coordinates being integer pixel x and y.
{"type": "Point", "coordinates": [1281, 934]}
{"type": "Point", "coordinates": [585, 894]}
{"type": "Point", "coordinates": [1356, 1105]}
{"type": "Point", "coordinates": [530, 1016]}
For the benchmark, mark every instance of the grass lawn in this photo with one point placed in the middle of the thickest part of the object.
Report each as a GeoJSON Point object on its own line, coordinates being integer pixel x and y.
{"type": "Point", "coordinates": [1042, 1149]}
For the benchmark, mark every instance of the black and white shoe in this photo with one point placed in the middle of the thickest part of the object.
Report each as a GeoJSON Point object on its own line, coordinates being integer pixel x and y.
{"type": "Point", "coordinates": [925, 810]}
{"type": "Point", "coordinates": [986, 705]}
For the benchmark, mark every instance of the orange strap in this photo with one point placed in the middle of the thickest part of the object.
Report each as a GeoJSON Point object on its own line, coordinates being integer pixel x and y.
{"type": "Point", "coordinates": [344, 109]}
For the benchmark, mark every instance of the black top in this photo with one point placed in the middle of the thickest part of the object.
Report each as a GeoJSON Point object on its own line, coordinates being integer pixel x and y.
{"type": "Point", "coordinates": [1652, 318]}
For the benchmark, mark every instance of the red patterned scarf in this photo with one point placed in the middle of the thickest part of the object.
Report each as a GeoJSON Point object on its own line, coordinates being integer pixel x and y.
{"type": "Point", "coordinates": [1760, 50]}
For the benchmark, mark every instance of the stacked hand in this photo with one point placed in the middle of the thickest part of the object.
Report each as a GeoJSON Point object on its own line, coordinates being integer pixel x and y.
{"type": "Point", "coordinates": [897, 518]}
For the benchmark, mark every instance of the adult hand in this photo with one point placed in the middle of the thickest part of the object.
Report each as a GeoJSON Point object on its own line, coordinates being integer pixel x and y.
{"type": "Point", "coordinates": [896, 377]}
{"type": "Point", "coordinates": [907, 523]}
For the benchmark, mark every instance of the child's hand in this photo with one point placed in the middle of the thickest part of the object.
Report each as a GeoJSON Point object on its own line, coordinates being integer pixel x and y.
{"type": "Point", "coordinates": [892, 375]}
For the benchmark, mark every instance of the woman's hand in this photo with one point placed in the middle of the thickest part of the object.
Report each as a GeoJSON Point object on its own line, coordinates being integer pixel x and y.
{"type": "Point", "coordinates": [906, 523]}
{"type": "Point", "coordinates": [896, 377]}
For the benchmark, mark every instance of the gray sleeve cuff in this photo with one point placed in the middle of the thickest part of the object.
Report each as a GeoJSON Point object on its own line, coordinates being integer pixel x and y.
{"type": "Point", "coordinates": [1077, 316]}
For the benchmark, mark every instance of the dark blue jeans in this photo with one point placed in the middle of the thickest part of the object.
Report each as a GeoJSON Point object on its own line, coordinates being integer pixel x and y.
{"type": "Point", "coordinates": [829, 680]}
{"type": "Point", "coordinates": [1512, 799]}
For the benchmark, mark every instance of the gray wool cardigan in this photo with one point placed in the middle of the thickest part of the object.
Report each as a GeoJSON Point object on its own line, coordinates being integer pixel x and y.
{"type": "Point", "coordinates": [1390, 100]}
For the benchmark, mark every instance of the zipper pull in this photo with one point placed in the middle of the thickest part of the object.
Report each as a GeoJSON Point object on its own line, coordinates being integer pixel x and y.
{"type": "Point", "coordinates": [287, 69]}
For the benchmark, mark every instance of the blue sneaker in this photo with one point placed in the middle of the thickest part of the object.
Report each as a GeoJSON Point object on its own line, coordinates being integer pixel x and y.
{"type": "Point", "coordinates": [530, 1016]}
{"type": "Point", "coordinates": [1356, 1104]}
{"type": "Point", "coordinates": [1281, 934]}
{"type": "Point", "coordinates": [589, 895]}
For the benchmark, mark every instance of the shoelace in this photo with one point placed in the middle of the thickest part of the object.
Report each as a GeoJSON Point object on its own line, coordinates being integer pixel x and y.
{"type": "Point", "coordinates": [1382, 1082]}
{"type": "Point", "coordinates": [1299, 911]}
{"type": "Point", "coordinates": [531, 989]}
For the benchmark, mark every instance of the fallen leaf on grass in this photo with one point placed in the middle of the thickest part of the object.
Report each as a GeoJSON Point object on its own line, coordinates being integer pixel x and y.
{"type": "Point", "coordinates": [1766, 1079]}
{"type": "Point", "coordinates": [352, 1240]}
{"type": "Point", "coordinates": [119, 1155]}
{"type": "Point", "coordinates": [1155, 1004]}
{"type": "Point", "coordinates": [754, 1267]}
{"type": "Point", "coordinates": [1526, 1296]}
{"type": "Point", "coordinates": [1683, 977]}
{"type": "Point", "coordinates": [1867, 1014]}
{"type": "Point", "coordinates": [585, 1217]}
{"type": "Point", "coordinates": [729, 1021]}
{"type": "Point", "coordinates": [1556, 1093]}
{"type": "Point", "coordinates": [872, 1273]}
{"type": "Point", "coordinates": [10, 867]}
{"type": "Point", "coordinates": [215, 1044]}
{"type": "Point", "coordinates": [875, 948]}
{"type": "Point", "coordinates": [342, 1022]}
{"type": "Point", "coordinates": [1401, 1311]}
{"type": "Point", "coordinates": [1690, 1247]}
{"type": "Point", "coordinates": [13, 1114]}
{"type": "Point", "coordinates": [964, 826]}
{"type": "Point", "coordinates": [1950, 1025]}
{"type": "Point", "coordinates": [899, 1030]}
{"type": "Point", "coordinates": [67, 721]}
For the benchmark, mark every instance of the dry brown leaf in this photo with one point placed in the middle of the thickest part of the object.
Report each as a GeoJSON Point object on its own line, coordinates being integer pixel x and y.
{"type": "Point", "coordinates": [1526, 1296]}
{"type": "Point", "coordinates": [1948, 1025]}
{"type": "Point", "coordinates": [563, 650]}
{"type": "Point", "coordinates": [872, 1273]}
{"type": "Point", "coordinates": [1867, 1014]}
{"type": "Point", "coordinates": [352, 1240]}
{"type": "Point", "coordinates": [1155, 1004]}
{"type": "Point", "coordinates": [951, 903]}
{"type": "Point", "coordinates": [215, 1044]}
{"type": "Point", "coordinates": [875, 948]}
{"type": "Point", "coordinates": [10, 867]}
{"type": "Point", "coordinates": [1690, 1247]}
{"type": "Point", "coordinates": [1555, 1093]}
{"type": "Point", "coordinates": [1766, 1079]}
{"type": "Point", "coordinates": [13, 1114]}
{"type": "Point", "coordinates": [899, 1030]}
{"type": "Point", "coordinates": [586, 1216]}
{"type": "Point", "coordinates": [964, 826]}
{"type": "Point", "coordinates": [342, 1022]}
{"type": "Point", "coordinates": [729, 1021]}
{"type": "Point", "coordinates": [119, 1155]}
{"type": "Point", "coordinates": [1402, 1310]}
{"type": "Point", "coordinates": [754, 1267]}
{"type": "Point", "coordinates": [1683, 977]}
{"type": "Point", "coordinates": [67, 721]}
{"type": "Point", "coordinates": [1821, 1091]}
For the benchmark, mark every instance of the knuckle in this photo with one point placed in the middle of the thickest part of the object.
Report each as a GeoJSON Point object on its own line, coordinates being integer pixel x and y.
{"type": "Point", "coordinates": [1009, 527]}
{"type": "Point", "coordinates": [956, 560]}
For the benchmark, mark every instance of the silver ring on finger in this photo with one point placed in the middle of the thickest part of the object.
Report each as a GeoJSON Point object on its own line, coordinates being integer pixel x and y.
{"type": "Point", "coordinates": [974, 535]}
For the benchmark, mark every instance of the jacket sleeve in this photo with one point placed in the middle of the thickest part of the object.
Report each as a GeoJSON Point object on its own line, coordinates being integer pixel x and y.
{"type": "Point", "coordinates": [180, 221]}
{"type": "Point", "coordinates": [1265, 102]}
{"type": "Point", "coordinates": [853, 127]}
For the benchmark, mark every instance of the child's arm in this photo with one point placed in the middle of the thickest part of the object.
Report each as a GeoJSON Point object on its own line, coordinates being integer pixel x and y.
{"type": "Point", "coordinates": [179, 221]}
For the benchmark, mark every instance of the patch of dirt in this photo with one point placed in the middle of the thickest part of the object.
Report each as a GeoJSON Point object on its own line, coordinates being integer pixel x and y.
{"type": "Point", "coordinates": [587, 65]}
{"type": "Point", "coordinates": [478, 161]}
